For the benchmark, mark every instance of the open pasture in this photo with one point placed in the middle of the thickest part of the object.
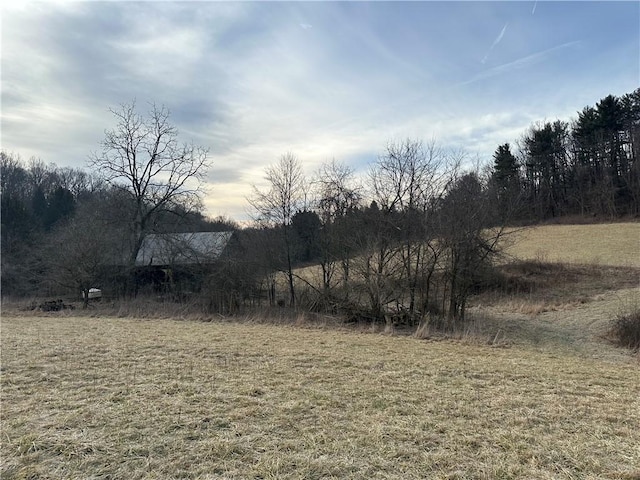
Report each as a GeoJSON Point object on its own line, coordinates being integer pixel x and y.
{"type": "Point", "coordinates": [615, 244]}
{"type": "Point", "coordinates": [125, 398]}
{"type": "Point", "coordinates": [108, 397]}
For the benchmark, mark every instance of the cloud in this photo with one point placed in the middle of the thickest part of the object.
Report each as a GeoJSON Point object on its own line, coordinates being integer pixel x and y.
{"type": "Point", "coordinates": [251, 81]}
{"type": "Point", "coordinates": [92, 56]}
{"type": "Point", "coordinates": [535, 4]}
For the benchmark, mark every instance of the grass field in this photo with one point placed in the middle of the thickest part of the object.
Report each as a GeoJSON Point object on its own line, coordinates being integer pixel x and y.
{"type": "Point", "coordinates": [600, 244]}
{"type": "Point", "coordinates": [532, 390]}
{"type": "Point", "coordinates": [125, 398]}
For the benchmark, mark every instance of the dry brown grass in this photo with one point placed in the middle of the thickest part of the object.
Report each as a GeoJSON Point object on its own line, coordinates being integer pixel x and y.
{"type": "Point", "coordinates": [599, 244]}
{"type": "Point", "coordinates": [91, 395]}
{"type": "Point", "coordinates": [576, 279]}
{"type": "Point", "coordinates": [582, 327]}
{"type": "Point", "coordinates": [125, 398]}
{"type": "Point", "coordinates": [532, 287]}
{"type": "Point", "coordinates": [568, 267]}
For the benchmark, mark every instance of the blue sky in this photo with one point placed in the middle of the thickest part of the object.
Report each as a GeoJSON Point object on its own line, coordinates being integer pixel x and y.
{"type": "Point", "coordinates": [254, 80]}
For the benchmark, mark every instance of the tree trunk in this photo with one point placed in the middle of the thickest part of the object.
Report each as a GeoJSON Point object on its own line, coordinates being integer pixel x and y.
{"type": "Point", "coordinates": [85, 298]}
{"type": "Point", "coordinates": [345, 277]}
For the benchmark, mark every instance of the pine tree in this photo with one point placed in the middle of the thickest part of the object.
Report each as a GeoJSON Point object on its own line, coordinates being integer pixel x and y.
{"type": "Point", "coordinates": [506, 180]}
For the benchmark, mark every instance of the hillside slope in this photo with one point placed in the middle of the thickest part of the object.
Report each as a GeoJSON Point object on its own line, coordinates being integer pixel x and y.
{"type": "Point", "coordinates": [615, 244]}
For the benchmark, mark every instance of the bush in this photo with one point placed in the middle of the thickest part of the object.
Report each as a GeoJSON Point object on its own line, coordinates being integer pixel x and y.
{"type": "Point", "coordinates": [625, 330]}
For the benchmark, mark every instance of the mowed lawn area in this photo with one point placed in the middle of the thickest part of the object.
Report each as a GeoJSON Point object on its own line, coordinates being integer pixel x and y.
{"type": "Point", "coordinates": [129, 399]}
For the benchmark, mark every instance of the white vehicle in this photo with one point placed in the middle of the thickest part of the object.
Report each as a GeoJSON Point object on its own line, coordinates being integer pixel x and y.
{"type": "Point", "coordinates": [94, 293]}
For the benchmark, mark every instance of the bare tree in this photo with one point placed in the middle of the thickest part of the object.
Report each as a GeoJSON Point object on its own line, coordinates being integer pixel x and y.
{"type": "Point", "coordinates": [142, 156]}
{"type": "Point", "coordinates": [337, 195]}
{"type": "Point", "coordinates": [407, 183]}
{"type": "Point", "coordinates": [471, 240]}
{"type": "Point", "coordinates": [78, 182]}
{"type": "Point", "coordinates": [79, 253]}
{"type": "Point", "coordinates": [375, 237]}
{"type": "Point", "coordinates": [277, 206]}
{"type": "Point", "coordinates": [41, 175]}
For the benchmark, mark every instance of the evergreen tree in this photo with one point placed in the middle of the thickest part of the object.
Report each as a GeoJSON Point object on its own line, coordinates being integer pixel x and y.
{"type": "Point", "coordinates": [631, 148]}
{"type": "Point", "coordinates": [609, 120]}
{"type": "Point", "coordinates": [39, 205]}
{"type": "Point", "coordinates": [61, 205]}
{"type": "Point", "coordinates": [546, 168]}
{"type": "Point", "coordinates": [505, 179]}
{"type": "Point", "coordinates": [307, 227]}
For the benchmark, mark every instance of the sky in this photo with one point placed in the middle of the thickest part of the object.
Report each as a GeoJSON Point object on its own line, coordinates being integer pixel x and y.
{"type": "Point", "coordinates": [252, 81]}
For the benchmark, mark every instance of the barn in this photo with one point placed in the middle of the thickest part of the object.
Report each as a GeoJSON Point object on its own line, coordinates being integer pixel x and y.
{"type": "Point", "coordinates": [178, 263]}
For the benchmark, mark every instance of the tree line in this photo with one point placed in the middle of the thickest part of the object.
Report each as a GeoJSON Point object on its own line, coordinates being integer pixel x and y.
{"type": "Point", "coordinates": [587, 166]}
{"type": "Point", "coordinates": [408, 242]}
{"type": "Point", "coordinates": [64, 228]}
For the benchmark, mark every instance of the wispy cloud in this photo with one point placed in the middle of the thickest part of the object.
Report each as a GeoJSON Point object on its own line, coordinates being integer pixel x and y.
{"type": "Point", "coordinates": [495, 42]}
{"type": "Point", "coordinates": [535, 4]}
{"type": "Point", "coordinates": [251, 80]}
{"type": "Point", "coordinates": [520, 63]}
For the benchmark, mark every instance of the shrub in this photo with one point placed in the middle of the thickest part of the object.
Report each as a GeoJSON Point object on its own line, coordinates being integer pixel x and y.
{"type": "Point", "coordinates": [625, 330]}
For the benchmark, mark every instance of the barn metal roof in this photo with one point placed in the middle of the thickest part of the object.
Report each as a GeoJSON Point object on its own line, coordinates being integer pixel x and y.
{"type": "Point", "coordinates": [182, 248]}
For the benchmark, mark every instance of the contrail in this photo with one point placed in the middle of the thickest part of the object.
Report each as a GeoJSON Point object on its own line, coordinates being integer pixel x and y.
{"type": "Point", "coordinates": [495, 42]}
{"type": "Point", "coordinates": [535, 4]}
{"type": "Point", "coordinates": [520, 62]}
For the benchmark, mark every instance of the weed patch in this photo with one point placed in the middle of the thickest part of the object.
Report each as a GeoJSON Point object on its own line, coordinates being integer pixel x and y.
{"type": "Point", "coordinates": [625, 330]}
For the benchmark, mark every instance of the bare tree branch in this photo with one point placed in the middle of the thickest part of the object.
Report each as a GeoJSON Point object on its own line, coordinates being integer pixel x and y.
{"type": "Point", "coordinates": [143, 157]}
